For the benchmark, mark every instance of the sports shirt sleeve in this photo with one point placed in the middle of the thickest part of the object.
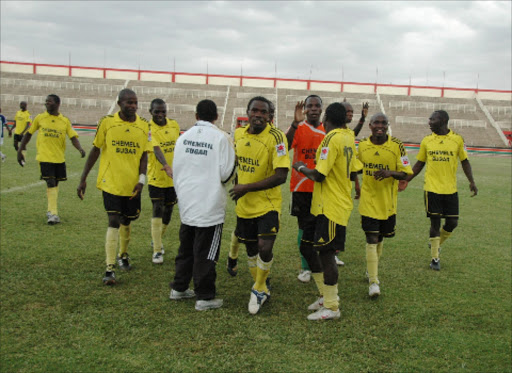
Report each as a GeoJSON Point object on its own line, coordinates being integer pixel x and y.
{"type": "Point", "coordinates": [227, 164]}
{"type": "Point", "coordinates": [35, 126]}
{"type": "Point", "coordinates": [462, 153]}
{"type": "Point", "coordinates": [403, 164]}
{"type": "Point", "coordinates": [326, 156]}
{"type": "Point", "coordinates": [280, 158]}
{"type": "Point", "coordinates": [69, 130]}
{"type": "Point", "coordinates": [99, 139]}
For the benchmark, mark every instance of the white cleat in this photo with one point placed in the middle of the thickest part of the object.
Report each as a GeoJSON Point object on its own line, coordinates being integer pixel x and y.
{"type": "Point", "coordinates": [256, 301]}
{"type": "Point", "coordinates": [187, 294]}
{"type": "Point", "coordinates": [324, 314]}
{"type": "Point", "coordinates": [53, 219]}
{"type": "Point", "coordinates": [304, 275]}
{"type": "Point", "coordinates": [203, 305]}
{"type": "Point", "coordinates": [158, 258]}
{"type": "Point", "coordinates": [374, 290]}
{"type": "Point", "coordinates": [338, 261]}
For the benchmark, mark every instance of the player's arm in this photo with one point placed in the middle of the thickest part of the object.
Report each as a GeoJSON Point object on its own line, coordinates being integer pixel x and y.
{"type": "Point", "coordinates": [143, 167]}
{"type": "Point", "coordinates": [76, 144]}
{"type": "Point", "coordinates": [161, 158]}
{"type": "Point", "coordinates": [89, 164]}
{"type": "Point", "coordinates": [298, 117]}
{"type": "Point", "coordinates": [239, 190]}
{"type": "Point", "coordinates": [311, 174]}
{"type": "Point", "coordinates": [466, 167]}
{"type": "Point", "coordinates": [26, 128]}
{"type": "Point", "coordinates": [24, 141]}
{"type": "Point", "coordinates": [416, 169]}
{"type": "Point", "coordinates": [364, 113]}
{"type": "Point", "coordinates": [383, 174]}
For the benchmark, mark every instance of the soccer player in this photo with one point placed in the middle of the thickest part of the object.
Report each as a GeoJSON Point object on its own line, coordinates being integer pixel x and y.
{"type": "Point", "coordinates": [204, 161]}
{"type": "Point", "coordinates": [164, 133]}
{"type": "Point", "coordinates": [51, 147]}
{"type": "Point", "coordinates": [3, 122]}
{"type": "Point", "coordinates": [385, 162]}
{"type": "Point", "coordinates": [122, 141]}
{"type": "Point", "coordinates": [304, 136]}
{"type": "Point", "coordinates": [440, 152]}
{"type": "Point", "coordinates": [263, 163]}
{"type": "Point", "coordinates": [234, 247]}
{"type": "Point", "coordinates": [21, 123]}
{"type": "Point", "coordinates": [331, 205]}
{"type": "Point", "coordinates": [350, 115]}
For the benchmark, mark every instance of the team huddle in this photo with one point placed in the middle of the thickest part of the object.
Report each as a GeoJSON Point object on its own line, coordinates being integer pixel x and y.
{"type": "Point", "coordinates": [199, 169]}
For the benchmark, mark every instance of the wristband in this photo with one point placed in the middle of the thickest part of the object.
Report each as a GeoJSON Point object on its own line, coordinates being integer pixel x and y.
{"type": "Point", "coordinates": [142, 179]}
{"type": "Point", "coordinates": [300, 168]}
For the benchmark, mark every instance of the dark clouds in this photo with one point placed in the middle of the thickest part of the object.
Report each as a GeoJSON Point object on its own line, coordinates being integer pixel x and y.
{"type": "Point", "coordinates": [319, 39]}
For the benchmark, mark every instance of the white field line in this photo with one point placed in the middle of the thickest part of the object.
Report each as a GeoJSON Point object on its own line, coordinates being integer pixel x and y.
{"type": "Point", "coordinates": [28, 186]}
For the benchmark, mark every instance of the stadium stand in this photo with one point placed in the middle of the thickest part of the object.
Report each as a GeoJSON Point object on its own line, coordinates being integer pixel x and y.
{"type": "Point", "coordinates": [87, 99]}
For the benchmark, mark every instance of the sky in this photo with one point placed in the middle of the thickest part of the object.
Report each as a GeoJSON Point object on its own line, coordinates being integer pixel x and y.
{"type": "Point", "coordinates": [461, 44]}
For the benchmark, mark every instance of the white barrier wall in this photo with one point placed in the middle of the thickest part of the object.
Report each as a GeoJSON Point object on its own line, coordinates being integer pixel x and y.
{"type": "Point", "coordinates": [387, 90]}
{"type": "Point", "coordinates": [218, 80]}
{"type": "Point", "coordinates": [257, 83]}
{"type": "Point", "coordinates": [358, 88]}
{"type": "Point", "coordinates": [291, 84]}
{"type": "Point", "coordinates": [505, 96]}
{"type": "Point", "coordinates": [428, 92]}
{"type": "Point", "coordinates": [449, 93]}
{"type": "Point", "coordinates": [190, 79]}
{"type": "Point", "coordinates": [325, 87]}
{"type": "Point", "coordinates": [154, 77]}
{"type": "Point", "coordinates": [86, 73]}
{"type": "Point", "coordinates": [123, 75]}
{"type": "Point", "coordinates": [12, 68]}
{"type": "Point", "coordinates": [52, 70]}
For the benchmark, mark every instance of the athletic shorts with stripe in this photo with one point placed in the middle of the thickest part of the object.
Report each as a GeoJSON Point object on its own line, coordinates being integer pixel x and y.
{"type": "Point", "coordinates": [329, 235]}
{"type": "Point", "coordinates": [441, 205]}
{"type": "Point", "coordinates": [168, 195]}
{"type": "Point", "coordinates": [55, 171]}
{"type": "Point", "coordinates": [385, 228]}
{"type": "Point", "coordinates": [265, 226]}
{"type": "Point", "coordinates": [129, 208]}
{"type": "Point", "coordinates": [197, 257]}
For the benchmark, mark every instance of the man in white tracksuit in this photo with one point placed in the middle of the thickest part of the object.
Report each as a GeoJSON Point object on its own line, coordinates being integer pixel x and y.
{"type": "Point", "coordinates": [204, 161]}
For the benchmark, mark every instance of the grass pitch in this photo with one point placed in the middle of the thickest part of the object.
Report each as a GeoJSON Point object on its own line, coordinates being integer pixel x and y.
{"type": "Point", "coordinates": [57, 316]}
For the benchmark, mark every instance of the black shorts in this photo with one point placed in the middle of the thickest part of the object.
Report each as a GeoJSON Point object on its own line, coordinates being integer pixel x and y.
{"type": "Point", "coordinates": [308, 226]}
{"type": "Point", "coordinates": [442, 205]}
{"type": "Point", "coordinates": [265, 226]}
{"type": "Point", "coordinates": [17, 137]}
{"type": "Point", "coordinates": [55, 171]}
{"type": "Point", "coordinates": [385, 228]}
{"type": "Point", "coordinates": [168, 195]}
{"type": "Point", "coordinates": [301, 204]}
{"type": "Point", "coordinates": [129, 208]}
{"type": "Point", "coordinates": [329, 235]}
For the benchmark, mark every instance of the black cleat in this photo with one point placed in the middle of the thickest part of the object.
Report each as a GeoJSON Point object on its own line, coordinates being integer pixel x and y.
{"type": "Point", "coordinates": [232, 266]}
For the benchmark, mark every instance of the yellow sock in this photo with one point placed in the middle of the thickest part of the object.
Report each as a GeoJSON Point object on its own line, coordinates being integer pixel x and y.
{"type": "Point", "coordinates": [444, 236]}
{"type": "Point", "coordinates": [124, 238]}
{"type": "Point", "coordinates": [156, 234]}
{"type": "Point", "coordinates": [372, 263]}
{"type": "Point", "coordinates": [331, 297]}
{"type": "Point", "coordinates": [251, 264]}
{"type": "Point", "coordinates": [235, 245]}
{"type": "Point", "coordinates": [434, 247]}
{"type": "Point", "coordinates": [319, 281]}
{"type": "Point", "coordinates": [262, 271]}
{"type": "Point", "coordinates": [52, 194]}
{"type": "Point", "coordinates": [380, 246]}
{"type": "Point", "coordinates": [111, 246]}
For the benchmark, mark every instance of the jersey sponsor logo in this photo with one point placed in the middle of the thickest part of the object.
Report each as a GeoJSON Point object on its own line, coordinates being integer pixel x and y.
{"type": "Point", "coordinates": [405, 160]}
{"type": "Point", "coordinates": [323, 153]}
{"type": "Point", "coordinates": [281, 149]}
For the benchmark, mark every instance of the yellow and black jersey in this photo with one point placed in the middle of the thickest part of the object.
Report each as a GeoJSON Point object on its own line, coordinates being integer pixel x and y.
{"type": "Point", "coordinates": [122, 145]}
{"type": "Point", "coordinates": [20, 119]}
{"type": "Point", "coordinates": [164, 137]}
{"type": "Point", "coordinates": [379, 197]}
{"type": "Point", "coordinates": [51, 139]}
{"type": "Point", "coordinates": [441, 155]}
{"type": "Point", "coordinates": [335, 159]}
{"type": "Point", "coordinates": [258, 156]}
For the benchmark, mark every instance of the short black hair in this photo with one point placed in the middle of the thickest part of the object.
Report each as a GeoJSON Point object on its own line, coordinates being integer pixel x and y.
{"type": "Point", "coordinates": [207, 110]}
{"type": "Point", "coordinates": [156, 101]}
{"type": "Point", "coordinates": [336, 114]}
{"type": "Point", "coordinates": [443, 114]}
{"type": "Point", "coordinates": [313, 96]}
{"type": "Point", "coordinates": [55, 98]}
{"type": "Point", "coordinates": [126, 92]}
{"type": "Point", "coordinates": [259, 98]}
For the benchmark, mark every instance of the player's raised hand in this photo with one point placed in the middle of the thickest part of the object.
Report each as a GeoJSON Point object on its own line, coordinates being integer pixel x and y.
{"type": "Point", "coordinates": [364, 111]}
{"type": "Point", "coordinates": [300, 113]}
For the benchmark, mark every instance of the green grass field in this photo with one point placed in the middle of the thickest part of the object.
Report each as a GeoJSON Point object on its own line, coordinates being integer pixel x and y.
{"type": "Point", "coordinates": [57, 316]}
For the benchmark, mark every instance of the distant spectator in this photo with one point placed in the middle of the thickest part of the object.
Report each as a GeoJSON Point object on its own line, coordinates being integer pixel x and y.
{"type": "Point", "coordinates": [51, 147]}
{"type": "Point", "coordinates": [3, 122]}
{"type": "Point", "coordinates": [440, 151]}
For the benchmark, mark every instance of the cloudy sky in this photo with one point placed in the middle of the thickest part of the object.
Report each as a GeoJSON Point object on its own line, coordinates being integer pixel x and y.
{"type": "Point", "coordinates": [458, 44]}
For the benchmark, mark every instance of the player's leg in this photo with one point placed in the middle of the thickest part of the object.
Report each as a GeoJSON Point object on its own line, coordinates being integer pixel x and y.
{"type": "Point", "coordinates": [206, 254]}
{"type": "Point", "coordinates": [305, 271]}
{"type": "Point", "coordinates": [130, 212]}
{"type": "Point", "coordinates": [449, 226]}
{"type": "Point", "coordinates": [246, 232]}
{"type": "Point", "coordinates": [451, 214]}
{"type": "Point", "coordinates": [434, 209]}
{"type": "Point", "coordinates": [184, 264]}
{"type": "Point", "coordinates": [49, 175]}
{"type": "Point", "coordinates": [300, 207]}
{"type": "Point", "coordinates": [170, 200]}
{"type": "Point", "coordinates": [311, 255]}
{"type": "Point", "coordinates": [234, 248]}
{"type": "Point", "coordinates": [157, 200]}
{"type": "Point", "coordinates": [111, 241]}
